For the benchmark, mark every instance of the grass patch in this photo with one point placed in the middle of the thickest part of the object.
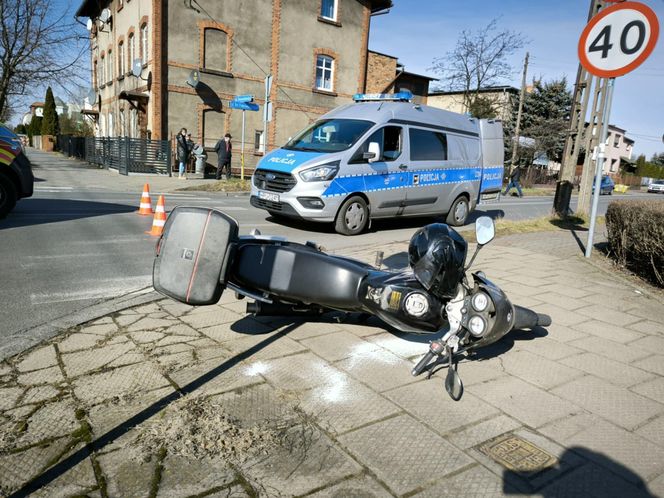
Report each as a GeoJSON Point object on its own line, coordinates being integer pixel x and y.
{"type": "Point", "coordinates": [232, 185]}
{"type": "Point", "coordinates": [544, 224]}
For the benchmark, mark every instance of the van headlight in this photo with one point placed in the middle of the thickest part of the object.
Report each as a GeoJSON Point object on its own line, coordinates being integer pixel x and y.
{"type": "Point", "coordinates": [320, 173]}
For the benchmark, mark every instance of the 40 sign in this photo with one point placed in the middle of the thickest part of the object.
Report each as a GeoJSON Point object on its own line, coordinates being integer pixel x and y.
{"type": "Point", "coordinates": [618, 39]}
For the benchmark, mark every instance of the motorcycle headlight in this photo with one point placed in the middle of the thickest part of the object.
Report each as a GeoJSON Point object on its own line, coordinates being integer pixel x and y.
{"type": "Point", "coordinates": [476, 325]}
{"type": "Point", "coordinates": [320, 173]}
{"type": "Point", "coordinates": [480, 302]}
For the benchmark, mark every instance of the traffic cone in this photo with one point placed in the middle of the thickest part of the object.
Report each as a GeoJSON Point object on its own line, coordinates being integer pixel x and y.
{"type": "Point", "coordinates": [146, 203]}
{"type": "Point", "coordinates": [159, 218]}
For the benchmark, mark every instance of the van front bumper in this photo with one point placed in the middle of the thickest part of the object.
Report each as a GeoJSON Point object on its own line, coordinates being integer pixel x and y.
{"type": "Point", "coordinates": [302, 205]}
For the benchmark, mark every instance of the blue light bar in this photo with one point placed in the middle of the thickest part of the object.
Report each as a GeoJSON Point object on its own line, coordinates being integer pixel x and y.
{"type": "Point", "coordinates": [404, 96]}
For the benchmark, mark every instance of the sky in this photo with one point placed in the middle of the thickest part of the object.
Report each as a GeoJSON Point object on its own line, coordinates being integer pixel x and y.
{"type": "Point", "coordinates": [417, 31]}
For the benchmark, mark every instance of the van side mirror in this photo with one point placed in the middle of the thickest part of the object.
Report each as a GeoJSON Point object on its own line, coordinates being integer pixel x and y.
{"type": "Point", "coordinates": [374, 152]}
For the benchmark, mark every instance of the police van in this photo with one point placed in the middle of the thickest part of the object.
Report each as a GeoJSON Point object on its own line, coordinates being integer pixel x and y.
{"type": "Point", "coordinates": [382, 157]}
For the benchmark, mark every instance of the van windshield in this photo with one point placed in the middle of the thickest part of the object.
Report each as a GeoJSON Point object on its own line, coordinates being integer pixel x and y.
{"type": "Point", "coordinates": [329, 135]}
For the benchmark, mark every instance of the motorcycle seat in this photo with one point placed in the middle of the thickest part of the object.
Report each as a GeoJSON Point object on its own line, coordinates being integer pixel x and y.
{"type": "Point", "coordinates": [299, 274]}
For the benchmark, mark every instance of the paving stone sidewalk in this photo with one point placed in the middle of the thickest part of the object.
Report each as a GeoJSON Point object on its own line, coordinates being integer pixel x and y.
{"type": "Point", "coordinates": [329, 408]}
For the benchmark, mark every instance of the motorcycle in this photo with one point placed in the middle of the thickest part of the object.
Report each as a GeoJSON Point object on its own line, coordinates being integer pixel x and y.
{"type": "Point", "coordinates": [200, 254]}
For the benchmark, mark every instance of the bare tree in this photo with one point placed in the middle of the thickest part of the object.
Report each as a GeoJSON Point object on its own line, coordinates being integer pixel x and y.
{"type": "Point", "coordinates": [38, 46]}
{"type": "Point", "coordinates": [478, 60]}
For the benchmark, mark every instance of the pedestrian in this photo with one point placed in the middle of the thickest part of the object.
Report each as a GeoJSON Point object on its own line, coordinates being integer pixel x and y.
{"type": "Point", "coordinates": [190, 148]}
{"type": "Point", "coordinates": [515, 176]}
{"type": "Point", "coordinates": [183, 152]}
{"type": "Point", "coordinates": [224, 150]}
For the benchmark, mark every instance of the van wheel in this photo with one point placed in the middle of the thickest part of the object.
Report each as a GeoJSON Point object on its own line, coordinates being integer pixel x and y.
{"type": "Point", "coordinates": [458, 212]}
{"type": "Point", "coordinates": [8, 196]}
{"type": "Point", "coordinates": [353, 216]}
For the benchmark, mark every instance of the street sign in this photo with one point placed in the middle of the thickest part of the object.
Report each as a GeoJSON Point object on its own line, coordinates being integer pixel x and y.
{"type": "Point", "coordinates": [618, 39]}
{"type": "Point", "coordinates": [243, 98]}
{"type": "Point", "coordinates": [243, 106]}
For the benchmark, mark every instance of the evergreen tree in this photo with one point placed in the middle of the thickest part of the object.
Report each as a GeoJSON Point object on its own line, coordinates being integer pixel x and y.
{"type": "Point", "coordinates": [482, 108]}
{"type": "Point", "coordinates": [20, 129]}
{"type": "Point", "coordinates": [50, 125]}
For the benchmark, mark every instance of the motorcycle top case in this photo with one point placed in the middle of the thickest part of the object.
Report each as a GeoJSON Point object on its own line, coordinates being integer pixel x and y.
{"type": "Point", "coordinates": [193, 255]}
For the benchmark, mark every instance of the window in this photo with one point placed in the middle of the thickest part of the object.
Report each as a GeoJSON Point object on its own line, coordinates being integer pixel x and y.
{"type": "Point", "coordinates": [259, 142]}
{"type": "Point", "coordinates": [324, 73]}
{"type": "Point", "coordinates": [123, 124]}
{"type": "Point", "coordinates": [144, 43]}
{"type": "Point", "coordinates": [131, 50]}
{"type": "Point", "coordinates": [616, 140]}
{"type": "Point", "coordinates": [110, 66]}
{"type": "Point", "coordinates": [102, 71]}
{"type": "Point", "coordinates": [328, 9]}
{"type": "Point", "coordinates": [426, 145]}
{"type": "Point", "coordinates": [215, 50]}
{"type": "Point", "coordinates": [95, 75]}
{"type": "Point", "coordinates": [110, 126]}
{"type": "Point", "coordinates": [121, 63]}
{"type": "Point", "coordinates": [329, 135]}
{"type": "Point", "coordinates": [389, 140]}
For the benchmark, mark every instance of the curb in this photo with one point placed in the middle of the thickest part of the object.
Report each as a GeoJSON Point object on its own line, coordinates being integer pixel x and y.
{"type": "Point", "coordinates": [20, 342]}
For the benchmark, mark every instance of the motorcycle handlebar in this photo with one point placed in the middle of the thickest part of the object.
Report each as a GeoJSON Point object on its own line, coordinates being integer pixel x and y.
{"type": "Point", "coordinates": [419, 368]}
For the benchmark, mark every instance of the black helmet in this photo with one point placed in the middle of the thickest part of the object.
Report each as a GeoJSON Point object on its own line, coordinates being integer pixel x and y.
{"type": "Point", "coordinates": [437, 254]}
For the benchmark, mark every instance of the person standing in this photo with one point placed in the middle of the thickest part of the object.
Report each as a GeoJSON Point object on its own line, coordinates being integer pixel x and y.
{"type": "Point", "coordinates": [183, 152]}
{"type": "Point", "coordinates": [515, 176]}
{"type": "Point", "coordinates": [224, 150]}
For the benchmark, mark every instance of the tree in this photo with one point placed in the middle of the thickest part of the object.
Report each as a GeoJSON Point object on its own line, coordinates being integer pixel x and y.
{"type": "Point", "coordinates": [658, 159]}
{"type": "Point", "coordinates": [75, 125]}
{"type": "Point", "coordinates": [478, 60]}
{"type": "Point", "coordinates": [37, 45]}
{"type": "Point", "coordinates": [20, 129]}
{"type": "Point", "coordinates": [544, 120]}
{"type": "Point", "coordinates": [50, 125]}
{"type": "Point", "coordinates": [482, 108]}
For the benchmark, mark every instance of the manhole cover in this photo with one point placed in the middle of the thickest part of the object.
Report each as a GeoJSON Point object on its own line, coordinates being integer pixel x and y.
{"type": "Point", "coordinates": [517, 454]}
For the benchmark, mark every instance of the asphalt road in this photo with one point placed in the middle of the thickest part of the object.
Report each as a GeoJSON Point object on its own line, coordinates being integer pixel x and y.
{"type": "Point", "coordinates": [77, 242]}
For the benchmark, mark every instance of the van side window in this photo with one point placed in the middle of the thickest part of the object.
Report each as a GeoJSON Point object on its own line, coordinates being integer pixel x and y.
{"type": "Point", "coordinates": [389, 139]}
{"type": "Point", "coordinates": [427, 145]}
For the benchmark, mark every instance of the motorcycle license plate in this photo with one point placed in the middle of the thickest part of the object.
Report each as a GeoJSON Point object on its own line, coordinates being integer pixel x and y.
{"type": "Point", "coordinates": [268, 196]}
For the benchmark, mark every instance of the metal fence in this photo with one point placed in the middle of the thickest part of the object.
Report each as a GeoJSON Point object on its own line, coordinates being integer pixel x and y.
{"type": "Point", "coordinates": [127, 155]}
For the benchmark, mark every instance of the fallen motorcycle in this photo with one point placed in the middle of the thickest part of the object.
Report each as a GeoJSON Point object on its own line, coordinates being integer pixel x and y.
{"type": "Point", "coordinates": [200, 254]}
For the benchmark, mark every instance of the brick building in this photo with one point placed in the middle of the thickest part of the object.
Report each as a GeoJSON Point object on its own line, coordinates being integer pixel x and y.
{"type": "Point", "coordinates": [316, 51]}
{"type": "Point", "coordinates": [386, 75]}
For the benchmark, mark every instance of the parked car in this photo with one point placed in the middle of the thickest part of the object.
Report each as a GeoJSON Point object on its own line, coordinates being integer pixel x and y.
{"type": "Point", "coordinates": [16, 179]}
{"type": "Point", "coordinates": [656, 187]}
{"type": "Point", "coordinates": [606, 187]}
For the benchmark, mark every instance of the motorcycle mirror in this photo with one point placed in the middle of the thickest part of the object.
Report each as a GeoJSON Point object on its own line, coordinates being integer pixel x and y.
{"type": "Point", "coordinates": [485, 230]}
{"type": "Point", "coordinates": [453, 384]}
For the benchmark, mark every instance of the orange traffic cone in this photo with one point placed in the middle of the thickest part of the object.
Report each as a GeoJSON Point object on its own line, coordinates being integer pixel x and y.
{"type": "Point", "coordinates": [159, 218]}
{"type": "Point", "coordinates": [146, 203]}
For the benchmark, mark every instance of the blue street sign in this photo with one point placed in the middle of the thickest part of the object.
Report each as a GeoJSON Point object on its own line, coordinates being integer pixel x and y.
{"type": "Point", "coordinates": [244, 98]}
{"type": "Point", "coordinates": [244, 106]}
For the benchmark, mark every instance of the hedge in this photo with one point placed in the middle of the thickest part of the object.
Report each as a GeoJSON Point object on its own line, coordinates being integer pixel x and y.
{"type": "Point", "coordinates": [636, 237]}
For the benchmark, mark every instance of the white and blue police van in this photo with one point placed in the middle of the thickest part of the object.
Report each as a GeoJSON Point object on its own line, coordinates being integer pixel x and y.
{"type": "Point", "coordinates": [382, 157]}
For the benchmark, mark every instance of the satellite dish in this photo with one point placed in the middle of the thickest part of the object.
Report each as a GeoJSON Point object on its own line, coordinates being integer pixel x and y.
{"type": "Point", "coordinates": [194, 78]}
{"type": "Point", "coordinates": [89, 25]}
{"type": "Point", "coordinates": [105, 16]}
{"type": "Point", "coordinates": [137, 68]}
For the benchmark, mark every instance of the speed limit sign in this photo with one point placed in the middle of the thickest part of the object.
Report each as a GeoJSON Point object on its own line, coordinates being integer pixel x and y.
{"type": "Point", "coordinates": [618, 39]}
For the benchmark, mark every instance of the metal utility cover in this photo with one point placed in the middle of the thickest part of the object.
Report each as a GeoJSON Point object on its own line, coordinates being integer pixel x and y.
{"type": "Point", "coordinates": [517, 454]}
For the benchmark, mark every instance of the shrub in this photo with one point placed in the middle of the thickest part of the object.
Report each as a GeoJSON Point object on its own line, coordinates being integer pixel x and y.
{"type": "Point", "coordinates": [636, 237]}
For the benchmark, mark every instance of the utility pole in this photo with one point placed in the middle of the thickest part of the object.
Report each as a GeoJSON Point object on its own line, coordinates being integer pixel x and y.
{"type": "Point", "coordinates": [517, 130]}
{"type": "Point", "coordinates": [577, 129]}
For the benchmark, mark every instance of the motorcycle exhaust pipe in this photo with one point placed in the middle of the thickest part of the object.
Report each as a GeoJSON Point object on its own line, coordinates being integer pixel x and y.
{"type": "Point", "coordinates": [258, 308]}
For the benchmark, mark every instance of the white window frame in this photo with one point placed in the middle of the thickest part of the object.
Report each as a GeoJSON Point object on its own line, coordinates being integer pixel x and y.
{"type": "Point", "coordinates": [131, 48]}
{"type": "Point", "coordinates": [323, 68]}
{"type": "Point", "coordinates": [144, 42]}
{"type": "Point", "coordinates": [334, 10]}
{"type": "Point", "coordinates": [102, 70]}
{"type": "Point", "coordinates": [121, 64]}
{"type": "Point", "coordinates": [110, 131]}
{"type": "Point", "coordinates": [110, 66]}
{"type": "Point", "coordinates": [261, 141]}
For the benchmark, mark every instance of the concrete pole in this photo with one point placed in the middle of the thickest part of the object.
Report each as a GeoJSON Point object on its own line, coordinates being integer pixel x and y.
{"type": "Point", "coordinates": [242, 150]}
{"type": "Point", "coordinates": [517, 130]}
{"type": "Point", "coordinates": [600, 164]}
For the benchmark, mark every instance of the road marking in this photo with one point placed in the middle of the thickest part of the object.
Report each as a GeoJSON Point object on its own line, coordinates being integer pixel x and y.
{"type": "Point", "coordinates": [51, 187]}
{"type": "Point", "coordinates": [123, 286]}
{"type": "Point", "coordinates": [230, 208]}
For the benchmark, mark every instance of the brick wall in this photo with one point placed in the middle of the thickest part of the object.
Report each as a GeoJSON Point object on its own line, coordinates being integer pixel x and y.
{"type": "Point", "coordinates": [381, 71]}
